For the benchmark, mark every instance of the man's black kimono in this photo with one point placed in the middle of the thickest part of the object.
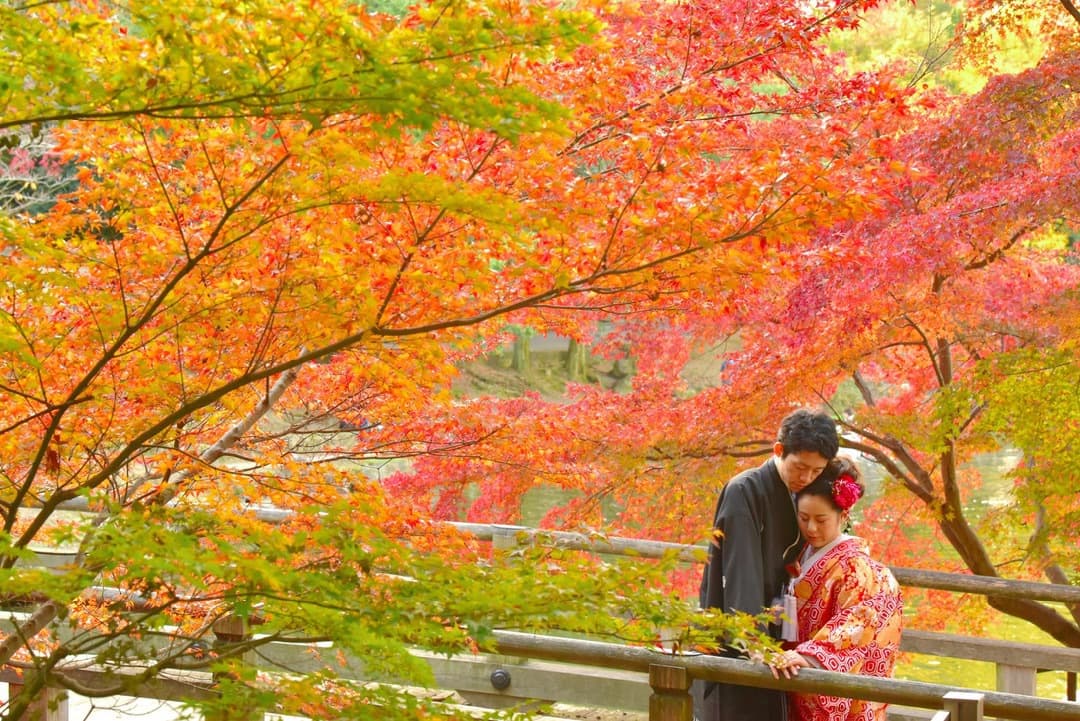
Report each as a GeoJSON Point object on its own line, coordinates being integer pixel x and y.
{"type": "Point", "coordinates": [755, 515]}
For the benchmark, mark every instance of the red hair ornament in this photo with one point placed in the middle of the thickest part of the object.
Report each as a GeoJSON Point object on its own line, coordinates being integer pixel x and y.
{"type": "Point", "coordinates": [845, 491]}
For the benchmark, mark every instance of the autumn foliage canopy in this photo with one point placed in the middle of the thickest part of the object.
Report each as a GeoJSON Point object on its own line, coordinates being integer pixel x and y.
{"type": "Point", "coordinates": [229, 339]}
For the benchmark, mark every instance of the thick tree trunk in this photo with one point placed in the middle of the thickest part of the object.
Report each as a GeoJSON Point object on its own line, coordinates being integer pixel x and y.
{"type": "Point", "coordinates": [522, 361]}
{"type": "Point", "coordinates": [576, 361]}
{"type": "Point", "coordinates": [966, 541]}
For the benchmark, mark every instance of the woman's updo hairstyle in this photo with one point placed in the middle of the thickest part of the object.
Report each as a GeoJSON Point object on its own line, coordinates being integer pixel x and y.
{"type": "Point", "coordinates": [839, 483]}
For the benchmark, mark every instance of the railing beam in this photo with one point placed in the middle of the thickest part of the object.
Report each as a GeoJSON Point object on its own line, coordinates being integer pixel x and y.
{"type": "Point", "coordinates": [644, 548]}
{"type": "Point", "coordinates": [1032, 655]}
{"type": "Point", "coordinates": [746, 673]}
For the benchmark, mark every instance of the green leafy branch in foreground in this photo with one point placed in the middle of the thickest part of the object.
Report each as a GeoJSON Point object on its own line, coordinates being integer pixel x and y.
{"type": "Point", "coordinates": [370, 590]}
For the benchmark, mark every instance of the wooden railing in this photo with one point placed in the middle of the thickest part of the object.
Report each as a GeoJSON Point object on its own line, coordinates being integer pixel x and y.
{"type": "Point", "coordinates": [673, 685]}
{"type": "Point", "coordinates": [549, 669]}
{"type": "Point", "coordinates": [668, 678]}
{"type": "Point", "coordinates": [1016, 664]}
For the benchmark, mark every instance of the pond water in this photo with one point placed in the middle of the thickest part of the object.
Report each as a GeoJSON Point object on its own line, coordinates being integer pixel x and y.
{"type": "Point", "coordinates": [980, 675]}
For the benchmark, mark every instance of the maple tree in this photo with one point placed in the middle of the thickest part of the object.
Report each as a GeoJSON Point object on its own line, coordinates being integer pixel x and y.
{"type": "Point", "coordinates": [291, 221]}
{"type": "Point", "coordinates": [947, 320]}
{"type": "Point", "coordinates": [944, 310]}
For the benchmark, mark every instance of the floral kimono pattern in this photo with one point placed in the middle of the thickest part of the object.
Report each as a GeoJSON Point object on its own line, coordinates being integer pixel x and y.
{"type": "Point", "coordinates": [849, 620]}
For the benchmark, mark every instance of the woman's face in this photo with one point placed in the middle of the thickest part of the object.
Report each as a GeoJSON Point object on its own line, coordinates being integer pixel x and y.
{"type": "Point", "coordinates": [819, 521]}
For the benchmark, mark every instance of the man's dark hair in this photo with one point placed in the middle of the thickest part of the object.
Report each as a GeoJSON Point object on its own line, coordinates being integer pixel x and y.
{"type": "Point", "coordinates": [805, 430]}
{"type": "Point", "coordinates": [822, 486]}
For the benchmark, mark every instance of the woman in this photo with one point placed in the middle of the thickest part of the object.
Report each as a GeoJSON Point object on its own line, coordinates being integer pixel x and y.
{"type": "Point", "coordinates": [847, 606]}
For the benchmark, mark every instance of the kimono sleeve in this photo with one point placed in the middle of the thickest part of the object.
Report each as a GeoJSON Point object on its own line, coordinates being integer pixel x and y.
{"type": "Point", "coordinates": [741, 560]}
{"type": "Point", "coordinates": [864, 608]}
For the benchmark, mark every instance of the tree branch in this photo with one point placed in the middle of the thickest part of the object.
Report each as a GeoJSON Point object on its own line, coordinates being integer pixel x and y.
{"type": "Point", "coordinates": [1038, 546]}
{"type": "Point", "coordinates": [130, 330]}
{"type": "Point", "coordinates": [864, 389]}
{"type": "Point", "coordinates": [919, 483]}
{"type": "Point", "coordinates": [42, 616]}
{"type": "Point", "coordinates": [926, 342]}
{"type": "Point", "coordinates": [999, 253]}
{"type": "Point", "coordinates": [1071, 8]}
{"type": "Point", "coordinates": [231, 436]}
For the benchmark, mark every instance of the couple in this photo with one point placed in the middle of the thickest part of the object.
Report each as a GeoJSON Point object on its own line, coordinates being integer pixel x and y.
{"type": "Point", "coordinates": [780, 543]}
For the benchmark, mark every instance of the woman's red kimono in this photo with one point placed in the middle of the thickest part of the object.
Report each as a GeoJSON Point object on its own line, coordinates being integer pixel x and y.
{"type": "Point", "coordinates": [849, 620]}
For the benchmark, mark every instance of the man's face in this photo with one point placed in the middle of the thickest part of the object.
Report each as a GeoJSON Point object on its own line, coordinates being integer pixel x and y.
{"type": "Point", "coordinates": [798, 470]}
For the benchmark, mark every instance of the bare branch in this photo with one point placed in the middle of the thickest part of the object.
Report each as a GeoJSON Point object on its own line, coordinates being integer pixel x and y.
{"type": "Point", "coordinates": [916, 478]}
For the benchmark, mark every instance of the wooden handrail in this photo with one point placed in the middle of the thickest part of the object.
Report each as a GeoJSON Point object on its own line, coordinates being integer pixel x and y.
{"type": "Point", "coordinates": [640, 659]}
{"type": "Point", "coordinates": [690, 553]}
{"type": "Point", "coordinates": [1031, 655]}
{"type": "Point", "coordinates": [914, 577]}
{"type": "Point", "coordinates": [747, 673]}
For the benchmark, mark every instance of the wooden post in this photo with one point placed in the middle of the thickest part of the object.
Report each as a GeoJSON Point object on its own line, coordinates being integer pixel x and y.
{"type": "Point", "coordinates": [964, 706]}
{"type": "Point", "coordinates": [1070, 686]}
{"type": "Point", "coordinates": [1015, 679]}
{"type": "Point", "coordinates": [670, 699]}
{"type": "Point", "coordinates": [230, 629]}
{"type": "Point", "coordinates": [50, 705]}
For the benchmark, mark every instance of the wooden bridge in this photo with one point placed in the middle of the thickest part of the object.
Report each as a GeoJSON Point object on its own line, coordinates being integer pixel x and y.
{"type": "Point", "coordinates": [531, 671]}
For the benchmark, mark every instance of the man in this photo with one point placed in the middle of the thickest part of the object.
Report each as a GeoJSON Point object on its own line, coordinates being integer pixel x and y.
{"type": "Point", "coordinates": [756, 534]}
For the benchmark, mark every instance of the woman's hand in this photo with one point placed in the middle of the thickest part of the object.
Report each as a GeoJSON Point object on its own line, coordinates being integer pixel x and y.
{"type": "Point", "coordinates": [787, 664]}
